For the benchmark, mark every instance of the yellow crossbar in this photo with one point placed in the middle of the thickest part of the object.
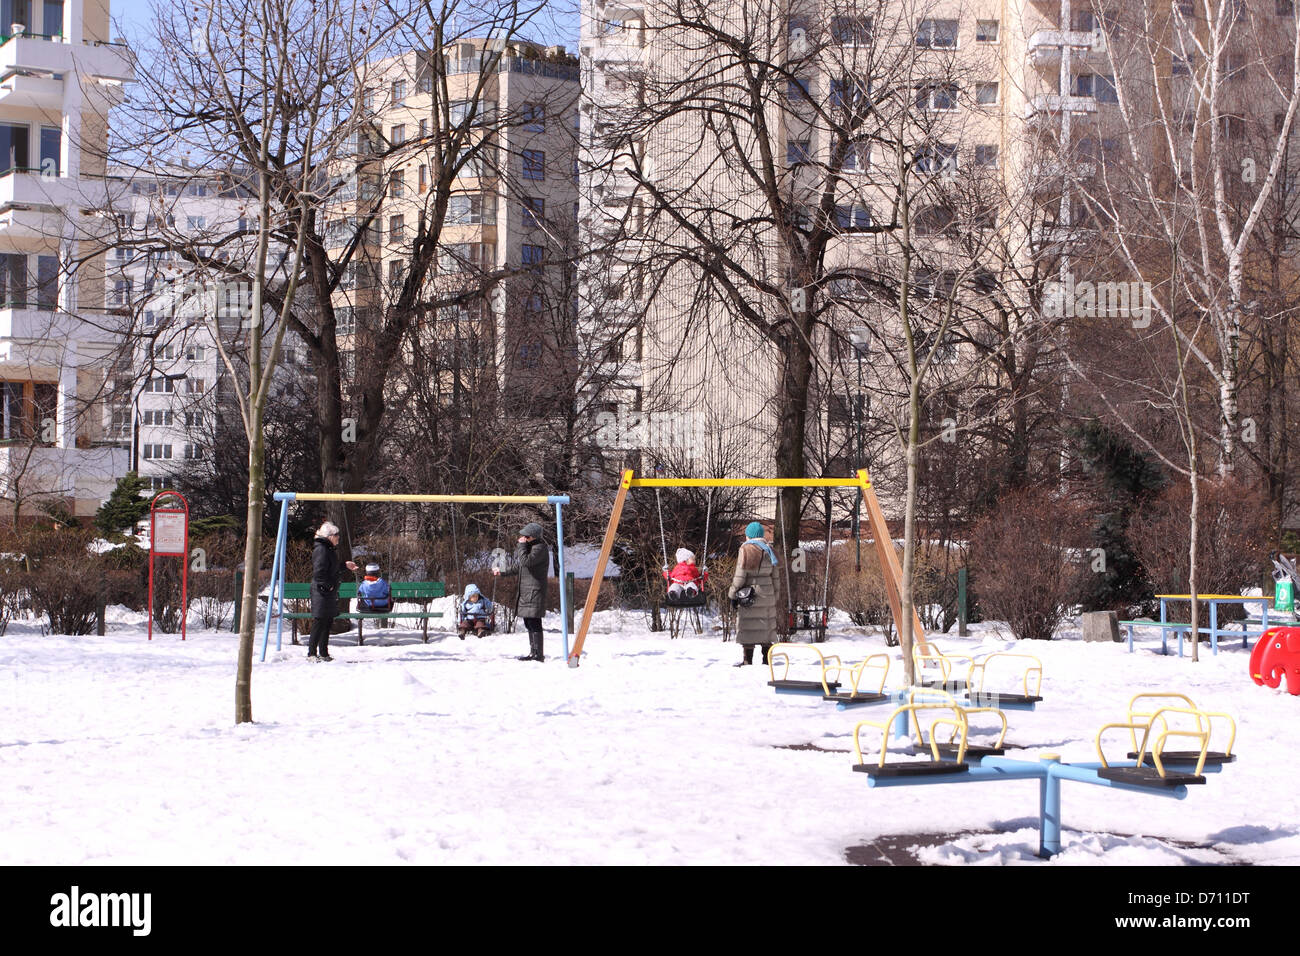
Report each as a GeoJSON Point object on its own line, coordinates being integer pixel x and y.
{"type": "Point", "coordinates": [747, 483]}
{"type": "Point", "coordinates": [465, 499]}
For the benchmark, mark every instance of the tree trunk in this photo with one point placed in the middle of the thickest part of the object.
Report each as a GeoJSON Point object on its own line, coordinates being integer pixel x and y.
{"type": "Point", "coordinates": [252, 560]}
{"type": "Point", "coordinates": [1192, 573]}
{"type": "Point", "coordinates": [906, 598]}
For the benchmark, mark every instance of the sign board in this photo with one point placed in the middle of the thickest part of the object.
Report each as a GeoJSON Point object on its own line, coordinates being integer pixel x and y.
{"type": "Point", "coordinates": [168, 534]}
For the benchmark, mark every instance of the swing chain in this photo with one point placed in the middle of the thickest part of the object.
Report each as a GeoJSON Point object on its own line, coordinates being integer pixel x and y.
{"type": "Point", "coordinates": [663, 540]}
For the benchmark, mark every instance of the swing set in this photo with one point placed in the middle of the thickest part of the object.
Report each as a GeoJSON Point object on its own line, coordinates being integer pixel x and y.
{"type": "Point", "coordinates": [276, 596]}
{"type": "Point", "coordinates": [890, 569]}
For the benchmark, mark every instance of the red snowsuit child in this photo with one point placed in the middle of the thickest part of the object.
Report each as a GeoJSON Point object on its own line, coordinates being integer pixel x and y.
{"type": "Point", "coordinates": [685, 579]}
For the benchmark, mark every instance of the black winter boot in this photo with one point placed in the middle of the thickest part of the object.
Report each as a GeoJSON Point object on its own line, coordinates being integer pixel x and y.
{"type": "Point", "coordinates": [748, 651]}
{"type": "Point", "coordinates": [539, 653]}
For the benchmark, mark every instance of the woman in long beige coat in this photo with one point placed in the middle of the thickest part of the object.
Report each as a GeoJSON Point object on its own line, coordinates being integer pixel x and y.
{"type": "Point", "coordinates": [756, 568]}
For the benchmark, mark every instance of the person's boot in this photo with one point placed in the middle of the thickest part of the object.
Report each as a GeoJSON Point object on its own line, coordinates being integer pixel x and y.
{"type": "Point", "coordinates": [763, 656]}
{"type": "Point", "coordinates": [748, 651]}
{"type": "Point", "coordinates": [532, 650]}
{"type": "Point", "coordinates": [539, 652]}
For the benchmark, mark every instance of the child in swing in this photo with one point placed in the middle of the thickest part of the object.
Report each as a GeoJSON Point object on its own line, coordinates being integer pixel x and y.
{"type": "Point", "coordinates": [685, 579]}
{"type": "Point", "coordinates": [373, 593]}
{"type": "Point", "coordinates": [475, 613]}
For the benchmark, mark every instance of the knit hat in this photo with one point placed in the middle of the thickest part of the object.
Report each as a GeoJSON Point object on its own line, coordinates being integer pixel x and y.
{"type": "Point", "coordinates": [328, 529]}
{"type": "Point", "coordinates": [531, 530]}
{"type": "Point", "coordinates": [754, 530]}
{"type": "Point", "coordinates": [372, 569]}
{"type": "Point", "coordinates": [685, 554]}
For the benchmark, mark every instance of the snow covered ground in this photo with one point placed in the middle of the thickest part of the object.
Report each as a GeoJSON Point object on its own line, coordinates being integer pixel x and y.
{"type": "Point", "coordinates": [117, 750]}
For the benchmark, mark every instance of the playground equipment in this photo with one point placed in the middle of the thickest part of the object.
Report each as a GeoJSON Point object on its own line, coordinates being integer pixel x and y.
{"type": "Point", "coordinates": [276, 596]}
{"type": "Point", "coordinates": [784, 685]}
{"type": "Point", "coordinates": [1277, 655]}
{"type": "Point", "coordinates": [685, 611]}
{"type": "Point", "coordinates": [1169, 773]}
{"type": "Point", "coordinates": [1204, 720]}
{"type": "Point", "coordinates": [890, 568]}
{"type": "Point", "coordinates": [933, 660]}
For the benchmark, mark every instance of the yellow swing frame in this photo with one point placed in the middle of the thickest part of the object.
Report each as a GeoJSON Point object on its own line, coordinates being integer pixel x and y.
{"type": "Point", "coordinates": [890, 569]}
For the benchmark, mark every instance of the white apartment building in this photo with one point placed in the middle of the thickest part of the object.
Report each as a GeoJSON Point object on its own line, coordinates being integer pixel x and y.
{"type": "Point", "coordinates": [60, 73]}
{"type": "Point", "coordinates": [169, 377]}
{"type": "Point", "coordinates": [1036, 107]}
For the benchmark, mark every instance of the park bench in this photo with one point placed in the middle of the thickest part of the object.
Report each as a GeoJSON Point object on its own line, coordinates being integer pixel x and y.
{"type": "Point", "coordinates": [403, 592]}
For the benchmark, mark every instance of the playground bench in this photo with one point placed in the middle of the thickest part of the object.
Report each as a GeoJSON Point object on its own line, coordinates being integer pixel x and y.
{"type": "Point", "coordinates": [1215, 630]}
{"type": "Point", "coordinates": [402, 592]}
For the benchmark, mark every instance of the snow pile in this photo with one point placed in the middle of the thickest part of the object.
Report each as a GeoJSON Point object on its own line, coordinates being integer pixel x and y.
{"type": "Point", "coordinates": [117, 749]}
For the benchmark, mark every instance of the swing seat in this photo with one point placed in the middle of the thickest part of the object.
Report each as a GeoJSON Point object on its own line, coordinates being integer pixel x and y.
{"type": "Point", "coordinates": [1148, 777]}
{"type": "Point", "coordinates": [861, 697]}
{"type": "Point", "coordinates": [918, 768]}
{"type": "Point", "coordinates": [672, 600]}
{"type": "Point", "coordinates": [973, 751]}
{"type": "Point", "coordinates": [1212, 757]}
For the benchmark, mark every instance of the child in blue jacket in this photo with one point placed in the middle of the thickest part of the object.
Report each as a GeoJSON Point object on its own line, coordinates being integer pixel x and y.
{"type": "Point", "coordinates": [373, 593]}
{"type": "Point", "coordinates": [475, 613]}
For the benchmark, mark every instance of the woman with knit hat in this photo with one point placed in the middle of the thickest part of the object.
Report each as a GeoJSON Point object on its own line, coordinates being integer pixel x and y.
{"type": "Point", "coordinates": [756, 569]}
{"type": "Point", "coordinates": [324, 590]}
{"type": "Point", "coordinates": [531, 561]}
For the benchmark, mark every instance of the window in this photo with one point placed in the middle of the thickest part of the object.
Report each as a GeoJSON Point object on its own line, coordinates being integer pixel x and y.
{"type": "Point", "coordinates": [529, 354]}
{"type": "Point", "coordinates": [466, 257]}
{"type": "Point", "coordinates": [1083, 21]}
{"type": "Point", "coordinates": [1234, 67]}
{"type": "Point", "coordinates": [424, 128]}
{"type": "Point", "coordinates": [934, 221]}
{"type": "Point", "coordinates": [534, 211]}
{"type": "Point", "coordinates": [986, 31]}
{"type": "Point", "coordinates": [857, 158]}
{"type": "Point", "coordinates": [161, 385]}
{"type": "Point", "coordinates": [937, 157]}
{"type": "Point", "coordinates": [399, 92]}
{"type": "Point", "coordinates": [368, 101]}
{"type": "Point", "coordinates": [851, 31]}
{"type": "Point", "coordinates": [166, 352]}
{"type": "Point", "coordinates": [534, 164]}
{"type": "Point", "coordinates": [52, 25]}
{"type": "Point", "coordinates": [195, 386]}
{"type": "Point", "coordinates": [396, 271]}
{"type": "Point", "coordinates": [1284, 8]}
{"type": "Point", "coordinates": [1105, 90]}
{"type": "Point", "coordinates": [987, 156]}
{"type": "Point", "coordinates": [1186, 7]}
{"type": "Point", "coordinates": [193, 452]}
{"type": "Point", "coordinates": [193, 419]}
{"type": "Point", "coordinates": [345, 319]}
{"type": "Point", "coordinates": [1083, 84]}
{"type": "Point", "coordinates": [531, 255]}
{"type": "Point", "coordinates": [1179, 66]}
{"type": "Point", "coordinates": [798, 152]}
{"type": "Point", "coordinates": [937, 98]}
{"type": "Point", "coordinates": [986, 94]}
{"type": "Point", "coordinates": [470, 209]}
{"type": "Point", "coordinates": [396, 228]}
{"type": "Point", "coordinates": [158, 416]}
{"type": "Point", "coordinates": [397, 184]}
{"type": "Point", "coordinates": [195, 223]}
{"type": "Point", "coordinates": [51, 150]}
{"type": "Point", "coordinates": [119, 297]}
{"type": "Point", "coordinates": [852, 216]}
{"type": "Point", "coordinates": [197, 189]}
{"type": "Point", "coordinates": [397, 135]}
{"type": "Point", "coordinates": [196, 353]}
{"type": "Point", "coordinates": [798, 88]}
{"type": "Point", "coordinates": [937, 34]}
{"type": "Point", "coordinates": [850, 93]}
{"type": "Point", "coordinates": [477, 113]}
{"type": "Point", "coordinates": [533, 116]}
{"type": "Point", "coordinates": [1233, 127]}
{"type": "Point", "coordinates": [14, 138]}
{"type": "Point", "coordinates": [154, 452]}
{"type": "Point", "coordinates": [47, 283]}
{"type": "Point", "coordinates": [424, 177]}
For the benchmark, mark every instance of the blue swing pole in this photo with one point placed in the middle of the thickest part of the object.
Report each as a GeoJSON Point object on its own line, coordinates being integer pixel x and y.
{"type": "Point", "coordinates": [564, 596]}
{"type": "Point", "coordinates": [283, 546]}
{"type": "Point", "coordinates": [277, 564]}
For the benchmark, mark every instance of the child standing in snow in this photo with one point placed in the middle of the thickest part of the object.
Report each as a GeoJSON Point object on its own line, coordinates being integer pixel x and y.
{"type": "Point", "coordinates": [684, 580]}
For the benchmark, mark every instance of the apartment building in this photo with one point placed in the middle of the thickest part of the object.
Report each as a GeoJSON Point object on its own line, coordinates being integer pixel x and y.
{"type": "Point", "coordinates": [1023, 96]}
{"type": "Point", "coordinates": [512, 209]}
{"type": "Point", "coordinates": [60, 73]}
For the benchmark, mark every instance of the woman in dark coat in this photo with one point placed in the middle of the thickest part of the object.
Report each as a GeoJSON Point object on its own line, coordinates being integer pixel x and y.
{"type": "Point", "coordinates": [324, 590]}
{"type": "Point", "coordinates": [531, 561]}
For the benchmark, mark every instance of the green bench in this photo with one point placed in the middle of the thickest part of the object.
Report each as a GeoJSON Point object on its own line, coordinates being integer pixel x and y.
{"type": "Point", "coordinates": [403, 592]}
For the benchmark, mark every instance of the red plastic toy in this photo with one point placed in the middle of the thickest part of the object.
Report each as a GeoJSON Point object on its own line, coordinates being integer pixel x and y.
{"type": "Point", "coordinates": [1277, 654]}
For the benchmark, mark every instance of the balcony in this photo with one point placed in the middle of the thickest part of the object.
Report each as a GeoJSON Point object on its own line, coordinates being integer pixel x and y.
{"type": "Point", "coordinates": [36, 54]}
{"type": "Point", "coordinates": [1052, 103]}
{"type": "Point", "coordinates": [29, 187]}
{"type": "Point", "coordinates": [26, 91]}
{"type": "Point", "coordinates": [1043, 237]}
{"type": "Point", "coordinates": [1051, 173]}
{"type": "Point", "coordinates": [1045, 46]}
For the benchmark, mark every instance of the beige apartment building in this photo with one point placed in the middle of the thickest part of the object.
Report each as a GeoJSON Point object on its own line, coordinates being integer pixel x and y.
{"type": "Point", "coordinates": [1019, 97]}
{"type": "Point", "coordinates": [60, 73]}
{"type": "Point", "coordinates": [512, 209]}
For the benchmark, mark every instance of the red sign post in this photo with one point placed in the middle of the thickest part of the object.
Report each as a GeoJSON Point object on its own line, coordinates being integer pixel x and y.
{"type": "Point", "coordinates": [169, 534]}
